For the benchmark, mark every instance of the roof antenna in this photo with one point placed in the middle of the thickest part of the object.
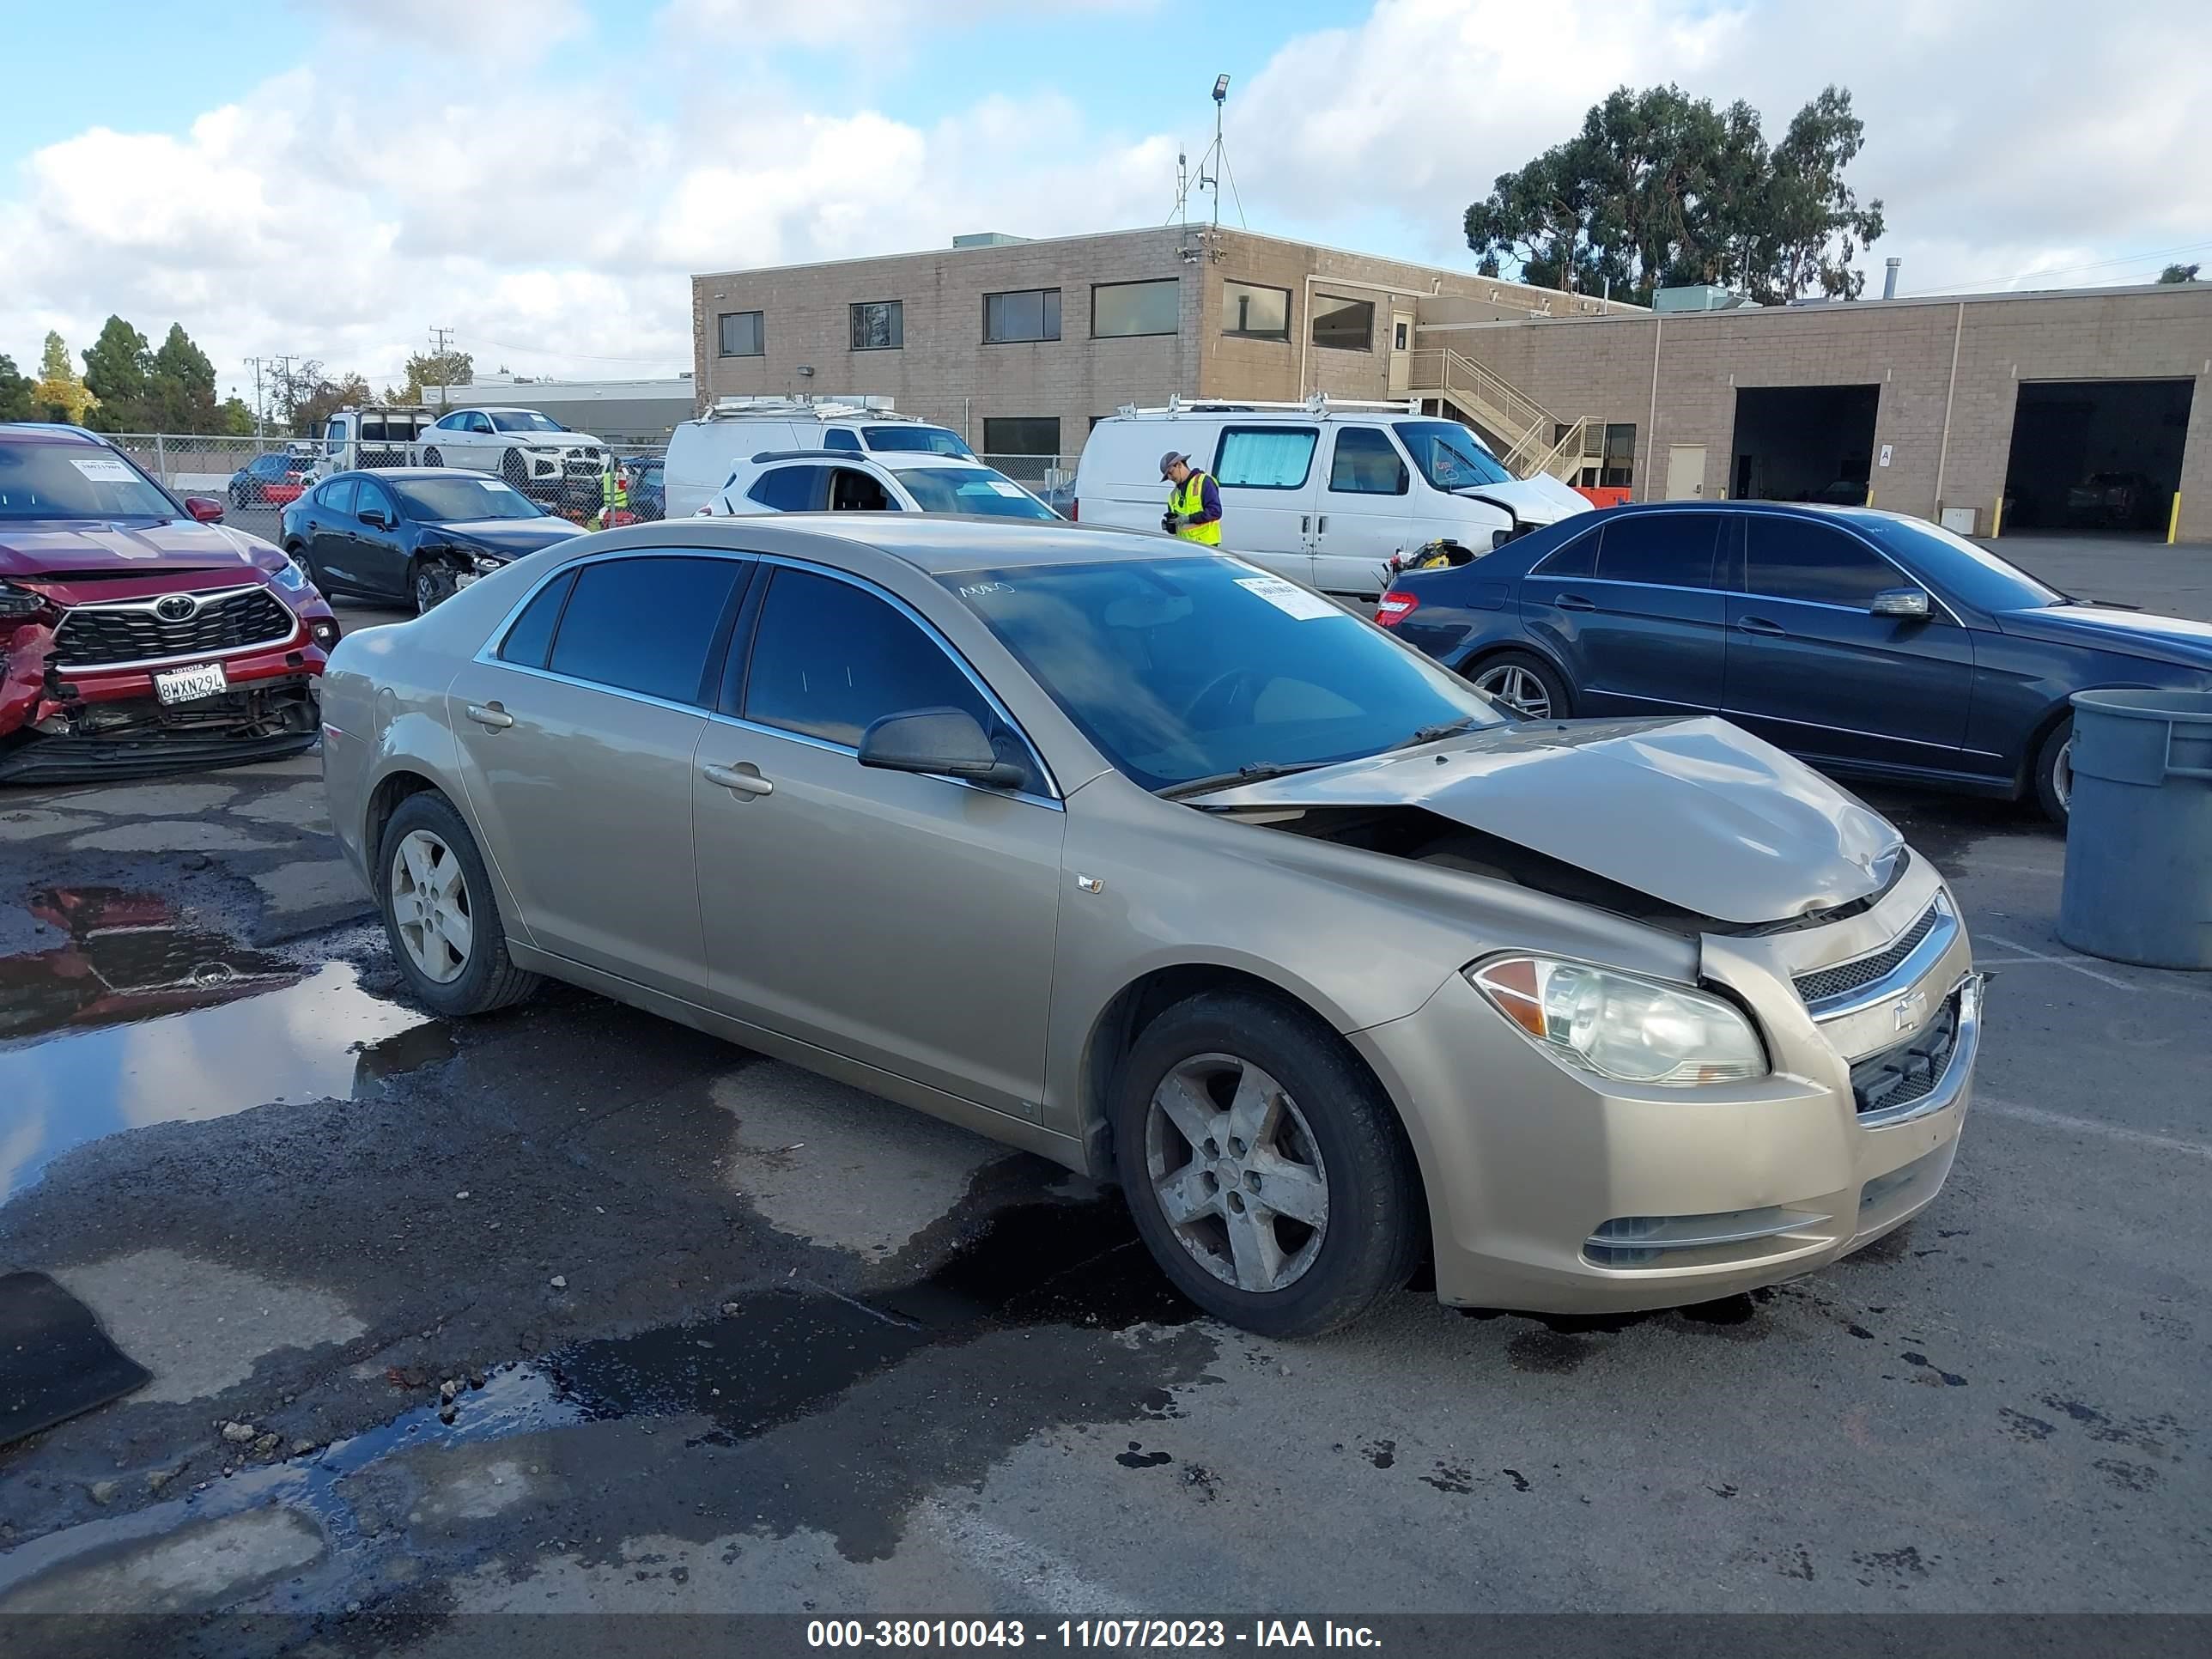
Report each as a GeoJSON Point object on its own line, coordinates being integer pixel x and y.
{"type": "Point", "coordinates": [1217, 155]}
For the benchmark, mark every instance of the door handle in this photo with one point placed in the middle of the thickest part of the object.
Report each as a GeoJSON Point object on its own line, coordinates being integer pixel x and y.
{"type": "Point", "coordinates": [741, 782]}
{"type": "Point", "coordinates": [1305, 525]}
{"type": "Point", "coordinates": [491, 715]}
{"type": "Point", "coordinates": [1575, 602]}
{"type": "Point", "coordinates": [1320, 525]}
{"type": "Point", "coordinates": [1759, 625]}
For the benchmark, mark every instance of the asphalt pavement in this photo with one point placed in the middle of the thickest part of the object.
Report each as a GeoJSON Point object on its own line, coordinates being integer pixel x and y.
{"type": "Point", "coordinates": [571, 1308]}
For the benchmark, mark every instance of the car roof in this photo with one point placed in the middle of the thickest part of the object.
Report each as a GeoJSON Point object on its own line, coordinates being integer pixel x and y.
{"type": "Point", "coordinates": [413, 472]}
{"type": "Point", "coordinates": [1820, 510]}
{"type": "Point", "coordinates": [48, 432]}
{"type": "Point", "coordinates": [935, 544]}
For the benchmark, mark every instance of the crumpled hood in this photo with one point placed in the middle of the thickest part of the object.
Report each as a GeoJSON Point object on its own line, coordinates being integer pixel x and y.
{"type": "Point", "coordinates": [1697, 813]}
{"type": "Point", "coordinates": [1541, 500]}
{"type": "Point", "coordinates": [2132, 633]}
{"type": "Point", "coordinates": [510, 538]}
{"type": "Point", "coordinates": [157, 546]}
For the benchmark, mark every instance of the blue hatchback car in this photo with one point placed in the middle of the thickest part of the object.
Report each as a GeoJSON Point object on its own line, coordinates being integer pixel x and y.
{"type": "Point", "coordinates": [1867, 643]}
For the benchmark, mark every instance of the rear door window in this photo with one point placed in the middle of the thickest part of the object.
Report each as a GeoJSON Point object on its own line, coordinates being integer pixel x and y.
{"type": "Point", "coordinates": [1790, 559]}
{"type": "Point", "coordinates": [338, 495]}
{"type": "Point", "coordinates": [1265, 457]}
{"type": "Point", "coordinates": [788, 488]}
{"type": "Point", "coordinates": [526, 642]}
{"type": "Point", "coordinates": [647, 625]}
{"type": "Point", "coordinates": [1669, 550]}
{"type": "Point", "coordinates": [1577, 558]}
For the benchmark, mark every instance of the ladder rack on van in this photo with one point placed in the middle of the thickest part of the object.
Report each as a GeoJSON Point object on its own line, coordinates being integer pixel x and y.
{"type": "Point", "coordinates": [868, 408]}
{"type": "Point", "coordinates": [1320, 403]}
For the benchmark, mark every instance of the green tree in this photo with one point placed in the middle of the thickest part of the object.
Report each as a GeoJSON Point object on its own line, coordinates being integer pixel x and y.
{"type": "Point", "coordinates": [1660, 189]}
{"type": "Point", "coordinates": [181, 386]}
{"type": "Point", "coordinates": [15, 402]}
{"type": "Point", "coordinates": [235, 418]}
{"type": "Point", "coordinates": [119, 368]}
{"type": "Point", "coordinates": [59, 392]}
{"type": "Point", "coordinates": [428, 370]}
{"type": "Point", "coordinates": [2179, 274]}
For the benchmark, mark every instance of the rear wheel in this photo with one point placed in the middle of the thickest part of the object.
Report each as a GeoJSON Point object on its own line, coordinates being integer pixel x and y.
{"type": "Point", "coordinates": [438, 913]}
{"type": "Point", "coordinates": [2054, 772]}
{"type": "Point", "coordinates": [1265, 1169]}
{"type": "Point", "coordinates": [517, 470]}
{"type": "Point", "coordinates": [1525, 683]}
{"type": "Point", "coordinates": [431, 458]}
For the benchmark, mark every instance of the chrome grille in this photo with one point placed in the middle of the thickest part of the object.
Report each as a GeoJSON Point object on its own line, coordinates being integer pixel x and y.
{"type": "Point", "coordinates": [1847, 976]}
{"type": "Point", "coordinates": [114, 633]}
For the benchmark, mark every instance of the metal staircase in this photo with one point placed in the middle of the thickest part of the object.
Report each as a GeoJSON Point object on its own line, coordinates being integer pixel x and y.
{"type": "Point", "coordinates": [1529, 438]}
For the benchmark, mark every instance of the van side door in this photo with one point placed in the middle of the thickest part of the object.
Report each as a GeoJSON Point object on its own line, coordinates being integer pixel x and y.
{"type": "Point", "coordinates": [1365, 512]}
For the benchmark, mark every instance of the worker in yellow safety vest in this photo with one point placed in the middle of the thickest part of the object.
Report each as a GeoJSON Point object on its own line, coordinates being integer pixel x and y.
{"type": "Point", "coordinates": [1193, 504]}
{"type": "Point", "coordinates": [614, 496]}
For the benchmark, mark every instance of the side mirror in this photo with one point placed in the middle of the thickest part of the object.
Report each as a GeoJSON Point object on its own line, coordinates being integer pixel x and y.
{"type": "Point", "coordinates": [1900, 602]}
{"type": "Point", "coordinates": [205, 509]}
{"type": "Point", "coordinates": [946, 742]}
{"type": "Point", "coordinates": [374, 519]}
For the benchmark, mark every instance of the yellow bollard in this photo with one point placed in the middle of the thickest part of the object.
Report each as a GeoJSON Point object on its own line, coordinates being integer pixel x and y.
{"type": "Point", "coordinates": [1996, 518]}
{"type": "Point", "coordinates": [2173, 520]}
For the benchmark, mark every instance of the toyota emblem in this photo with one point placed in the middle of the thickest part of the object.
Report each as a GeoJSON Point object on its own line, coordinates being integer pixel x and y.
{"type": "Point", "coordinates": [176, 607]}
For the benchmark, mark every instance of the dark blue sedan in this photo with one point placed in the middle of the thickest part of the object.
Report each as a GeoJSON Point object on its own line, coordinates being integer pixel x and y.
{"type": "Point", "coordinates": [1866, 642]}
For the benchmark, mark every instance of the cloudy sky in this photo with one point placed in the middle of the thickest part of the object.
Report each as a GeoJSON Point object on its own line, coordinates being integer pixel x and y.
{"type": "Point", "coordinates": [541, 176]}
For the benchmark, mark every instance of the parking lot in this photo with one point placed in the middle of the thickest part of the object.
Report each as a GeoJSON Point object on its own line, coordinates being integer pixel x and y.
{"type": "Point", "coordinates": [568, 1308]}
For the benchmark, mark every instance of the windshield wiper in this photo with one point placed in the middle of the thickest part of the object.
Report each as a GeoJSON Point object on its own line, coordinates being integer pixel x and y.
{"type": "Point", "coordinates": [1256, 772]}
{"type": "Point", "coordinates": [1437, 733]}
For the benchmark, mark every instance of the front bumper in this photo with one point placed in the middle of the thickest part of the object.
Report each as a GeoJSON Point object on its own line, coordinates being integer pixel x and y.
{"type": "Point", "coordinates": [1558, 1192]}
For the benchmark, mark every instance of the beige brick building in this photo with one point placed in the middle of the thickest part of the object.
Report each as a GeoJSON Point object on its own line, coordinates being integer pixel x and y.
{"type": "Point", "coordinates": [1924, 405]}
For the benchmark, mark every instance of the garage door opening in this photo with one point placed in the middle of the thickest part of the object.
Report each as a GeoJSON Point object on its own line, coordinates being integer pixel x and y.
{"type": "Point", "coordinates": [2096, 455]}
{"type": "Point", "coordinates": [1804, 443]}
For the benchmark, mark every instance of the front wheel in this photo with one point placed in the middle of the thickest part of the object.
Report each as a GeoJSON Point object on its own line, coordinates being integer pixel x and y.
{"type": "Point", "coordinates": [2054, 772]}
{"type": "Point", "coordinates": [430, 586]}
{"type": "Point", "coordinates": [1264, 1167]}
{"type": "Point", "coordinates": [1526, 684]}
{"type": "Point", "coordinates": [438, 913]}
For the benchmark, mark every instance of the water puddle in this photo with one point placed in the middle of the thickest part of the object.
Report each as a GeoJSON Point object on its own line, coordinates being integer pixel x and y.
{"type": "Point", "coordinates": [136, 1018]}
{"type": "Point", "coordinates": [778, 1354]}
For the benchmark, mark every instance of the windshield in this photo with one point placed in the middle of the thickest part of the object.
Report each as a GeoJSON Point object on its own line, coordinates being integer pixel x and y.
{"type": "Point", "coordinates": [1450, 456]}
{"type": "Point", "coordinates": [972, 489]}
{"type": "Point", "coordinates": [1951, 561]}
{"type": "Point", "coordinates": [522, 420]}
{"type": "Point", "coordinates": [1182, 669]}
{"type": "Point", "coordinates": [923, 440]}
{"type": "Point", "coordinates": [75, 481]}
{"type": "Point", "coordinates": [461, 500]}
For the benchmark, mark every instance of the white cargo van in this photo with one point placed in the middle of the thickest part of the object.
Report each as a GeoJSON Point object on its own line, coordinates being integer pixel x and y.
{"type": "Point", "coordinates": [1323, 492]}
{"type": "Point", "coordinates": [702, 453]}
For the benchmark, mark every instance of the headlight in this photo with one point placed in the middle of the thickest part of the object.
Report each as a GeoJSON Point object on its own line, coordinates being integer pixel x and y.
{"type": "Point", "coordinates": [1632, 1029]}
{"type": "Point", "coordinates": [289, 574]}
{"type": "Point", "coordinates": [483, 564]}
{"type": "Point", "coordinates": [20, 601]}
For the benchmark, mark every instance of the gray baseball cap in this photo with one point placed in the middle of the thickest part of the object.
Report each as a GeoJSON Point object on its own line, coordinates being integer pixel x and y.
{"type": "Point", "coordinates": [1170, 460]}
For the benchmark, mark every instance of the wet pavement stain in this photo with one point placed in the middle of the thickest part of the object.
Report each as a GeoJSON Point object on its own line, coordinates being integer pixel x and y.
{"type": "Point", "coordinates": [1138, 1458]}
{"type": "Point", "coordinates": [138, 1018]}
{"type": "Point", "coordinates": [777, 1354]}
{"type": "Point", "coordinates": [1951, 1379]}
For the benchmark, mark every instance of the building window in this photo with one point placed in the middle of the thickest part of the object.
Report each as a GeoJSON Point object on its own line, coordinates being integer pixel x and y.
{"type": "Point", "coordinates": [1249, 312]}
{"type": "Point", "coordinates": [1347, 325]}
{"type": "Point", "coordinates": [879, 326]}
{"type": "Point", "coordinates": [742, 334]}
{"type": "Point", "coordinates": [1121, 309]}
{"type": "Point", "coordinates": [1023, 446]}
{"type": "Point", "coordinates": [1619, 471]}
{"type": "Point", "coordinates": [1031, 314]}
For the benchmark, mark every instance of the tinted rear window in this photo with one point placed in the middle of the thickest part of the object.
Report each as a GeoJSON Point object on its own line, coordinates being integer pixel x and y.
{"type": "Point", "coordinates": [532, 631]}
{"type": "Point", "coordinates": [645, 625]}
{"type": "Point", "coordinates": [788, 489]}
{"type": "Point", "coordinates": [1672, 549]}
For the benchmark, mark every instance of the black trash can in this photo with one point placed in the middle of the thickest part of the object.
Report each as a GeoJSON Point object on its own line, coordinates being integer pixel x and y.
{"type": "Point", "coordinates": [2139, 829]}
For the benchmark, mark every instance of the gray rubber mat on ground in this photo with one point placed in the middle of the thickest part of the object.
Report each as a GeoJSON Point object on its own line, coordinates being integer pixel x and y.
{"type": "Point", "coordinates": [55, 1361]}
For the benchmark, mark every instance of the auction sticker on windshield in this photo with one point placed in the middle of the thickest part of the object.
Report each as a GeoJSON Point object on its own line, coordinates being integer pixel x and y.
{"type": "Point", "coordinates": [1013, 492]}
{"type": "Point", "coordinates": [1289, 597]}
{"type": "Point", "coordinates": [105, 469]}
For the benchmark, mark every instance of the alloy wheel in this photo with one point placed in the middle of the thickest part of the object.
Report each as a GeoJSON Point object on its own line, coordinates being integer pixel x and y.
{"type": "Point", "coordinates": [1237, 1171]}
{"type": "Point", "coordinates": [1517, 688]}
{"type": "Point", "coordinates": [2062, 776]}
{"type": "Point", "coordinates": [427, 590]}
{"type": "Point", "coordinates": [430, 906]}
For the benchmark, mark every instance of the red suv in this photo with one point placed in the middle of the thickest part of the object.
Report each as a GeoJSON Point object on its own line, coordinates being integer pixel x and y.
{"type": "Point", "coordinates": [137, 633]}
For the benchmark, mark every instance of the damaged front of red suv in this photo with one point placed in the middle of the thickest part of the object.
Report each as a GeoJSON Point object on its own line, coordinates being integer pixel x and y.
{"type": "Point", "coordinates": [136, 633]}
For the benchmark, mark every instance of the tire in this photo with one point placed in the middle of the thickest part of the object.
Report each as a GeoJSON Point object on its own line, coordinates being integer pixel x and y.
{"type": "Point", "coordinates": [2054, 772]}
{"type": "Point", "coordinates": [1329, 1133]}
{"type": "Point", "coordinates": [514, 469]}
{"type": "Point", "coordinates": [238, 496]}
{"type": "Point", "coordinates": [1540, 691]}
{"type": "Point", "coordinates": [429, 585]}
{"type": "Point", "coordinates": [431, 458]}
{"type": "Point", "coordinates": [426, 834]}
{"type": "Point", "coordinates": [298, 553]}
